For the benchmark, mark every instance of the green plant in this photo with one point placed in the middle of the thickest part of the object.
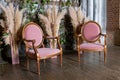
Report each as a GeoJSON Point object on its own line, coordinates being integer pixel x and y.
{"type": "Point", "coordinates": [2, 41]}
{"type": "Point", "coordinates": [68, 3]}
{"type": "Point", "coordinates": [31, 6]}
{"type": "Point", "coordinates": [43, 2]}
{"type": "Point", "coordinates": [62, 34]}
{"type": "Point", "coordinates": [62, 38]}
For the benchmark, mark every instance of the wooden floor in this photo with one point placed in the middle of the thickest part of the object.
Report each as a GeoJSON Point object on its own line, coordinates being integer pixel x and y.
{"type": "Point", "coordinates": [91, 67]}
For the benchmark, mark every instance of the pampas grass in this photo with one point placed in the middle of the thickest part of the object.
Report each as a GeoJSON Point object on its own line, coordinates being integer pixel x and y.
{"type": "Point", "coordinates": [48, 15]}
{"type": "Point", "coordinates": [7, 39]}
{"type": "Point", "coordinates": [18, 19]}
{"type": "Point", "coordinates": [57, 22]}
{"type": "Point", "coordinates": [74, 19]}
{"type": "Point", "coordinates": [77, 17]}
{"type": "Point", "coordinates": [47, 24]}
{"type": "Point", "coordinates": [3, 8]}
{"type": "Point", "coordinates": [80, 15]}
{"type": "Point", "coordinates": [10, 19]}
{"type": "Point", "coordinates": [52, 21]}
{"type": "Point", "coordinates": [14, 18]}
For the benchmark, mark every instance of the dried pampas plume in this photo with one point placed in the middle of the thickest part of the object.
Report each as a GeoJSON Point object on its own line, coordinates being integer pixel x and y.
{"type": "Point", "coordinates": [80, 15]}
{"type": "Point", "coordinates": [52, 20]}
{"type": "Point", "coordinates": [14, 18]}
{"type": "Point", "coordinates": [57, 22]}
{"type": "Point", "coordinates": [73, 16]}
{"type": "Point", "coordinates": [77, 17]}
{"type": "Point", "coordinates": [47, 23]}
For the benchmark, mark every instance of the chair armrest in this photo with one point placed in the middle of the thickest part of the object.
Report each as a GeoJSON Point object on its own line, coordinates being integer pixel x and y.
{"type": "Point", "coordinates": [103, 35]}
{"type": "Point", "coordinates": [78, 35]}
{"type": "Point", "coordinates": [33, 46]}
{"type": "Point", "coordinates": [78, 40]}
{"type": "Point", "coordinates": [49, 37]}
{"type": "Point", "coordinates": [33, 41]}
{"type": "Point", "coordinates": [105, 42]}
{"type": "Point", "coordinates": [57, 38]}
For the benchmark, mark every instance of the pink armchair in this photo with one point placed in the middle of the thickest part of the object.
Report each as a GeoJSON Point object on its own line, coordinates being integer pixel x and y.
{"type": "Point", "coordinates": [32, 35]}
{"type": "Point", "coordinates": [90, 34]}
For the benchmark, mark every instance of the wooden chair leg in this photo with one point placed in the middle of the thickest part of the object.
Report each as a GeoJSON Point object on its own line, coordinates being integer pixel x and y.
{"type": "Point", "coordinates": [61, 59]}
{"type": "Point", "coordinates": [44, 62]}
{"type": "Point", "coordinates": [38, 66]}
{"type": "Point", "coordinates": [105, 54]}
{"type": "Point", "coordinates": [99, 53]}
{"type": "Point", "coordinates": [78, 56]}
{"type": "Point", "coordinates": [27, 63]}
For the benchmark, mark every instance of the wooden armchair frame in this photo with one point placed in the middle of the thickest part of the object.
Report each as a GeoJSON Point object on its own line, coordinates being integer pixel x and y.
{"type": "Point", "coordinates": [82, 37]}
{"type": "Point", "coordinates": [36, 53]}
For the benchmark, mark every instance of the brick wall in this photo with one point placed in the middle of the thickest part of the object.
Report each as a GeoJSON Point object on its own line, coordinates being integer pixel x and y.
{"type": "Point", "coordinates": [113, 31]}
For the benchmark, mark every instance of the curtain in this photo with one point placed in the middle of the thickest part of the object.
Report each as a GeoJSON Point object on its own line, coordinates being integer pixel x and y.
{"type": "Point", "coordinates": [96, 11]}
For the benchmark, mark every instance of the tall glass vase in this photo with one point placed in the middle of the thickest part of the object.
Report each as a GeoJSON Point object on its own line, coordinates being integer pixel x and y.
{"type": "Point", "coordinates": [14, 51]}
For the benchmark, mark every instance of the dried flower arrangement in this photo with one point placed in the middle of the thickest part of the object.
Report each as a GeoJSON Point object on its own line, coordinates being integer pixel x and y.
{"type": "Point", "coordinates": [77, 17]}
{"type": "Point", "coordinates": [13, 19]}
{"type": "Point", "coordinates": [52, 21]}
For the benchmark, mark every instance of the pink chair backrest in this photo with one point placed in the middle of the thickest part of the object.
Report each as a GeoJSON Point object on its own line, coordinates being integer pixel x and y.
{"type": "Point", "coordinates": [33, 31]}
{"type": "Point", "coordinates": [91, 31]}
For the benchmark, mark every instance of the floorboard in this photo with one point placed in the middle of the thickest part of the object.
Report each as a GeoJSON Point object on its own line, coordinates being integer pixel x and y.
{"type": "Point", "coordinates": [91, 67]}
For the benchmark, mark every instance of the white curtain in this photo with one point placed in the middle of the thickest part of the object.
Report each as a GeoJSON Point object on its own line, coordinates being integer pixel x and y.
{"type": "Point", "coordinates": [96, 11]}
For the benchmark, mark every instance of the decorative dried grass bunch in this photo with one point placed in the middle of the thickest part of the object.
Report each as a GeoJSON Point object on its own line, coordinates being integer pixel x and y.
{"type": "Point", "coordinates": [77, 17]}
{"type": "Point", "coordinates": [52, 20]}
{"type": "Point", "coordinates": [13, 19]}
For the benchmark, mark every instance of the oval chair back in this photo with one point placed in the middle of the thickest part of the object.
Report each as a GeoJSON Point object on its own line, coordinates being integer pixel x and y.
{"type": "Point", "coordinates": [91, 31]}
{"type": "Point", "coordinates": [32, 31]}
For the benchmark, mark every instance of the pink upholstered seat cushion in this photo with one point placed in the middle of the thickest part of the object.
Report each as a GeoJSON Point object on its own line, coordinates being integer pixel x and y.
{"type": "Point", "coordinates": [91, 31]}
{"type": "Point", "coordinates": [92, 46]}
{"type": "Point", "coordinates": [43, 52]}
